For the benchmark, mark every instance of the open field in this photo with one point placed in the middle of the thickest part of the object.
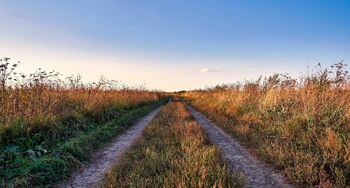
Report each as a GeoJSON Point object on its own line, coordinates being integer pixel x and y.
{"type": "Point", "coordinates": [172, 152]}
{"type": "Point", "coordinates": [51, 129]}
{"type": "Point", "coordinates": [301, 126]}
{"type": "Point", "coordinates": [175, 94]}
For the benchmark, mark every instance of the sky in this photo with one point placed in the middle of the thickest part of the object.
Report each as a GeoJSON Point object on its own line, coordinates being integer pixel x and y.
{"type": "Point", "coordinates": [175, 44]}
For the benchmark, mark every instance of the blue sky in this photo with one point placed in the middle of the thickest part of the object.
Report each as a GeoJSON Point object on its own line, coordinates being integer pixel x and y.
{"type": "Point", "coordinates": [175, 45]}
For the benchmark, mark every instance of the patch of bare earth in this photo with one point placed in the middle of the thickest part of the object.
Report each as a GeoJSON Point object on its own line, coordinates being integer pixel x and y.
{"type": "Point", "coordinates": [256, 173]}
{"type": "Point", "coordinates": [90, 175]}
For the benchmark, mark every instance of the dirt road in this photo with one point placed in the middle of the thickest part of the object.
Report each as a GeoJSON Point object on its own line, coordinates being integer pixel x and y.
{"type": "Point", "coordinates": [256, 173]}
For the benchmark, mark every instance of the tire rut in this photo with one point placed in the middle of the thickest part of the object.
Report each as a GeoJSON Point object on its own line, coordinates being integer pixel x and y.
{"type": "Point", "coordinates": [256, 173]}
{"type": "Point", "coordinates": [90, 175]}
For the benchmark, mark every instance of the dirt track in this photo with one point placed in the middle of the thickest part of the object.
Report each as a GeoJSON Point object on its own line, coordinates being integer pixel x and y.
{"type": "Point", "coordinates": [90, 175]}
{"type": "Point", "coordinates": [256, 173]}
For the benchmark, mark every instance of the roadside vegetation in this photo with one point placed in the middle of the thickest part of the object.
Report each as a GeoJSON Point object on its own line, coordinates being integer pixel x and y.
{"type": "Point", "coordinates": [49, 125]}
{"type": "Point", "coordinates": [301, 126]}
{"type": "Point", "coordinates": [172, 152]}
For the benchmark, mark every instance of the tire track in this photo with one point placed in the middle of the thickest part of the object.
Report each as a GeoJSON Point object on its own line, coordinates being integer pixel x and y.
{"type": "Point", "coordinates": [257, 174]}
{"type": "Point", "coordinates": [90, 175]}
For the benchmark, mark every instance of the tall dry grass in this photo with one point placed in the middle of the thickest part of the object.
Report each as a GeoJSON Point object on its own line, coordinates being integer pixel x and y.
{"type": "Point", "coordinates": [302, 126]}
{"type": "Point", "coordinates": [43, 97]}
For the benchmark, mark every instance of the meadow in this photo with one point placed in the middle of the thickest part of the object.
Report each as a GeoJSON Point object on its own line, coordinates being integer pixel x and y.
{"type": "Point", "coordinates": [50, 124]}
{"type": "Point", "coordinates": [299, 125]}
{"type": "Point", "coordinates": [173, 151]}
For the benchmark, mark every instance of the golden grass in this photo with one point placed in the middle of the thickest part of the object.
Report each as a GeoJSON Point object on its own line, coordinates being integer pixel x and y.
{"type": "Point", "coordinates": [46, 102]}
{"type": "Point", "coordinates": [301, 126]}
{"type": "Point", "coordinates": [43, 97]}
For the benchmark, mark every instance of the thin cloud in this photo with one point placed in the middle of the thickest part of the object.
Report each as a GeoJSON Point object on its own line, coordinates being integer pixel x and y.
{"type": "Point", "coordinates": [208, 70]}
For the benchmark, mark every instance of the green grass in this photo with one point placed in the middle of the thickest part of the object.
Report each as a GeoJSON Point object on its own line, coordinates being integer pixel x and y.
{"type": "Point", "coordinates": [172, 152]}
{"type": "Point", "coordinates": [42, 158]}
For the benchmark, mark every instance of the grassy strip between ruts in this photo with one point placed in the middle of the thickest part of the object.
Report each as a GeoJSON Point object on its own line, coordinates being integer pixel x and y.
{"type": "Point", "coordinates": [50, 166]}
{"type": "Point", "coordinates": [172, 152]}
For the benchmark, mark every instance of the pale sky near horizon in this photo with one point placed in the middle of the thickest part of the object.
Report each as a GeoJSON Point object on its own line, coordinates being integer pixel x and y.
{"type": "Point", "coordinates": [174, 45]}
